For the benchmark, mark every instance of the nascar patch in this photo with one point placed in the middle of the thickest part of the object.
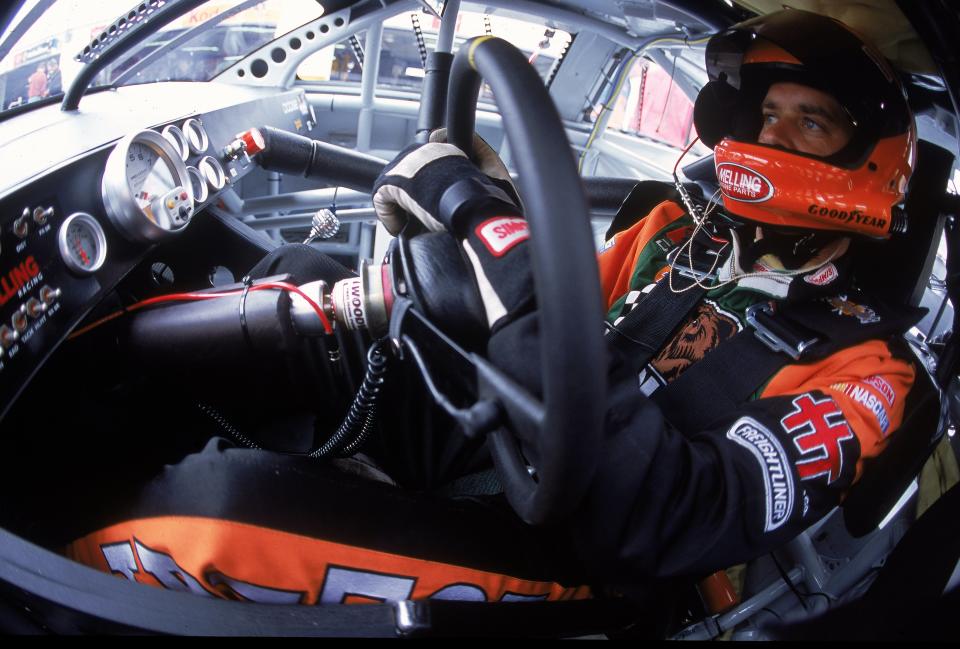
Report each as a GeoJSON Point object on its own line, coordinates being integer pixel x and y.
{"type": "Point", "coordinates": [777, 478]}
{"type": "Point", "coordinates": [870, 401]}
{"type": "Point", "coordinates": [502, 233]}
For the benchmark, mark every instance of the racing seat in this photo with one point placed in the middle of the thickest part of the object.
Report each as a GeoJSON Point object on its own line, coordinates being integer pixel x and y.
{"type": "Point", "coordinates": [915, 594]}
{"type": "Point", "coordinates": [273, 528]}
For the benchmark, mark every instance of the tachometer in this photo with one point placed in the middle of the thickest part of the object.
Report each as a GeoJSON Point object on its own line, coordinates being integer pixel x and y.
{"type": "Point", "coordinates": [146, 190]}
{"type": "Point", "coordinates": [82, 243]}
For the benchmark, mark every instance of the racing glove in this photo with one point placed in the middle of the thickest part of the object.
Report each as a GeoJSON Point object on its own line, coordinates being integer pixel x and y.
{"type": "Point", "coordinates": [488, 162]}
{"type": "Point", "coordinates": [439, 185]}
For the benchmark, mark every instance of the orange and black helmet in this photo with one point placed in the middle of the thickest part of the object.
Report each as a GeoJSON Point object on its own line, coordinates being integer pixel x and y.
{"type": "Point", "coordinates": [856, 190]}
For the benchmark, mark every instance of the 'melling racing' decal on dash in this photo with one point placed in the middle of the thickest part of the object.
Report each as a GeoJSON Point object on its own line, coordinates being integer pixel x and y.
{"type": "Point", "coordinates": [16, 278]}
{"type": "Point", "coordinates": [502, 233]}
{"type": "Point", "coordinates": [743, 184]}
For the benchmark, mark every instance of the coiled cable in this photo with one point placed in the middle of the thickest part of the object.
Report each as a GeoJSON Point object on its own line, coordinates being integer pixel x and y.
{"type": "Point", "coordinates": [362, 414]}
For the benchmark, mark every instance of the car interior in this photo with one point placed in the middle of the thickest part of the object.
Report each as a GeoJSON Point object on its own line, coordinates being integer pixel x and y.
{"type": "Point", "coordinates": [272, 120]}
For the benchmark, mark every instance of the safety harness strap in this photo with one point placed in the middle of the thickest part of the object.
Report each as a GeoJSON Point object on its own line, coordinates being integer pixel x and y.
{"type": "Point", "coordinates": [731, 373]}
{"type": "Point", "coordinates": [723, 379]}
{"type": "Point", "coordinates": [643, 332]}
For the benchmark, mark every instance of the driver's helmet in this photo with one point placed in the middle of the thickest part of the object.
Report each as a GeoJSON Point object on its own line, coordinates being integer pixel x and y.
{"type": "Point", "coordinates": [856, 190]}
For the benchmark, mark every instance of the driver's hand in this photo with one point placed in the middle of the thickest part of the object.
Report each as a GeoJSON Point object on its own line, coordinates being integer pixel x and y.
{"type": "Point", "coordinates": [438, 185]}
{"type": "Point", "coordinates": [488, 161]}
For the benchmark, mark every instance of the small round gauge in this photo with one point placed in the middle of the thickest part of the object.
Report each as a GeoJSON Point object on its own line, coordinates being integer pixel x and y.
{"type": "Point", "coordinates": [82, 243]}
{"type": "Point", "coordinates": [199, 185]}
{"type": "Point", "coordinates": [177, 138]}
{"type": "Point", "coordinates": [146, 190]}
{"type": "Point", "coordinates": [212, 171]}
{"type": "Point", "coordinates": [196, 135]}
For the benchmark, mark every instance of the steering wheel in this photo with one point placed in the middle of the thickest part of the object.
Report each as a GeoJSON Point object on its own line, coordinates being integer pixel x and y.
{"type": "Point", "coordinates": [562, 446]}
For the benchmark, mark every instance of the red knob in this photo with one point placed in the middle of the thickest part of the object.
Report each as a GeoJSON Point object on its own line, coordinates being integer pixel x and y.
{"type": "Point", "coordinates": [253, 139]}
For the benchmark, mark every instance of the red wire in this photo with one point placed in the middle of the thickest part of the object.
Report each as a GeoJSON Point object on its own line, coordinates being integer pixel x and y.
{"type": "Point", "coordinates": [188, 297]}
{"type": "Point", "coordinates": [677, 164]}
{"type": "Point", "coordinates": [285, 286]}
{"type": "Point", "coordinates": [682, 155]}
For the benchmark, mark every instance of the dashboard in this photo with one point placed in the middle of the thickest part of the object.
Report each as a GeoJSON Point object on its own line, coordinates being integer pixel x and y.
{"type": "Point", "coordinates": [77, 215]}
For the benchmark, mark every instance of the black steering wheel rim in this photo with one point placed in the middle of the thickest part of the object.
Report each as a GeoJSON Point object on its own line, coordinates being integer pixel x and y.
{"type": "Point", "coordinates": [566, 280]}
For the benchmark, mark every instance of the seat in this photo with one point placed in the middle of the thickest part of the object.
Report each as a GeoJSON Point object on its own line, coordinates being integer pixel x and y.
{"type": "Point", "coordinates": [267, 527]}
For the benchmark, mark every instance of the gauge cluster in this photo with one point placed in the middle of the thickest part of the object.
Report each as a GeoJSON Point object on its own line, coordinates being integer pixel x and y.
{"type": "Point", "coordinates": [155, 180]}
{"type": "Point", "coordinates": [146, 189]}
{"type": "Point", "coordinates": [68, 237]}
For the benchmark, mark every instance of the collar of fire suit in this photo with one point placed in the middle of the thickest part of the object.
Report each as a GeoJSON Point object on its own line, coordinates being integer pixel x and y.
{"type": "Point", "coordinates": [769, 276]}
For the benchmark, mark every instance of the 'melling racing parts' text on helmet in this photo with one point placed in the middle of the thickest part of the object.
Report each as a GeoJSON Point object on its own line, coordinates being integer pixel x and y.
{"type": "Point", "coordinates": [858, 189]}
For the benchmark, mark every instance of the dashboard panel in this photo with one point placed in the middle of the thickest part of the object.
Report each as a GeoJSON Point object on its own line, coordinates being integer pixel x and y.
{"type": "Point", "coordinates": [62, 249]}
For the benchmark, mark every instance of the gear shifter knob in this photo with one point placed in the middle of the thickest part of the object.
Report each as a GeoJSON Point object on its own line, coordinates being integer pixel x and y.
{"type": "Point", "coordinates": [324, 225]}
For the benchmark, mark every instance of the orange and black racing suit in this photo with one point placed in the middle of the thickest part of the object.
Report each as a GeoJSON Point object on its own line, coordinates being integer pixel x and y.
{"type": "Point", "coordinates": [671, 501]}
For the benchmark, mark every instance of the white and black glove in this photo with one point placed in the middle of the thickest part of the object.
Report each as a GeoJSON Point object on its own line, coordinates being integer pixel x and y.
{"type": "Point", "coordinates": [438, 185]}
{"type": "Point", "coordinates": [488, 162]}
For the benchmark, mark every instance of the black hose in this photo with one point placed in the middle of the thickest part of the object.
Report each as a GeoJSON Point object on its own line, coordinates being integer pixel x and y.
{"type": "Point", "coordinates": [362, 415]}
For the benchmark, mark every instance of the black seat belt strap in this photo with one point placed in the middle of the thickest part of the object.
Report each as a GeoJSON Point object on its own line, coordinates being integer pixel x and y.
{"type": "Point", "coordinates": [719, 382]}
{"type": "Point", "coordinates": [643, 332]}
{"type": "Point", "coordinates": [729, 375]}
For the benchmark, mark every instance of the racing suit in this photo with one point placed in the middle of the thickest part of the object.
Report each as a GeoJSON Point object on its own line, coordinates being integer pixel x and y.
{"type": "Point", "coordinates": [670, 501]}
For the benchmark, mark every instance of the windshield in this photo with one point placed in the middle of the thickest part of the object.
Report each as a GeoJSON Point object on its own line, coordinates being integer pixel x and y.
{"type": "Point", "coordinates": [202, 43]}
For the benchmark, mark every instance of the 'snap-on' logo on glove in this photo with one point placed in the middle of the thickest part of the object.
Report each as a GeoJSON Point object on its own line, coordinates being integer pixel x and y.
{"type": "Point", "coordinates": [502, 233]}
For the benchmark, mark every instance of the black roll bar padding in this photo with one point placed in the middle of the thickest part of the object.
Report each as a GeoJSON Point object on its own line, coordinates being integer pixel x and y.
{"type": "Point", "coordinates": [565, 277]}
{"type": "Point", "coordinates": [606, 193]}
{"type": "Point", "coordinates": [433, 98]}
{"type": "Point", "coordinates": [211, 333]}
{"type": "Point", "coordinates": [291, 153]}
{"type": "Point", "coordinates": [137, 34]}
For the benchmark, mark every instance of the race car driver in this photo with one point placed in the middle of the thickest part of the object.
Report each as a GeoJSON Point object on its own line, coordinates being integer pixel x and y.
{"type": "Point", "coordinates": [708, 461]}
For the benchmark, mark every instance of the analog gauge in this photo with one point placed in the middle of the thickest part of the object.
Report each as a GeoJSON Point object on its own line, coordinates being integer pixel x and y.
{"type": "Point", "coordinates": [83, 244]}
{"type": "Point", "coordinates": [146, 190]}
{"type": "Point", "coordinates": [212, 171]}
{"type": "Point", "coordinates": [199, 185]}
{"type": "Point", "coordinates": [177, 138]}
{"type": "Point", "coordinates": [196, 136]}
